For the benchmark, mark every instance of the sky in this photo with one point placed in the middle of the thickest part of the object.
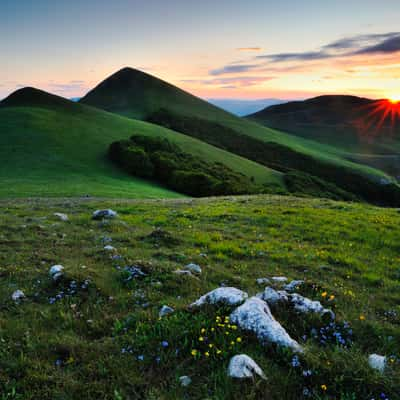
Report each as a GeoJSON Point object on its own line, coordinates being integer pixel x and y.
{"type": "Point", "coordinates": [253, 49]}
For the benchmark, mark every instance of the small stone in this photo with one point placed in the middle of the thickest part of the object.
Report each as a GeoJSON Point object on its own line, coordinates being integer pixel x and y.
{"type": "Point", "coordinates": [294, 285]}
{"type": "Point", "coordinates": [242, 367]}
{"type": "Point", "coordinates": [223, 295]}
{"type": "Point", "coordinates": [18, 296]}
{"type": "Point", "coordinates": [183, 272]}
{"type": "Point", "coordinates": [263, 281]}
{"type": "Point", "coordinates": [279, 279]}
{"type": "Point", "coordinates": [377, 362]}
{"type": "Point", "coordinates": [109, 248]}
{"type": "Point", "coordinates": [165, 310]}
{"type": "Point", "coordinates": [193, 268]}
{"type": "Point", "coordinates": [102, 214]}
{"type": "Point", "coordinates": [56, 272]}
{"type": "Point", "coordinates": [272, 296]}
{"type": "Point", "coordinates": [61, 216]}
{"type": "Point", "coordinates": [185, 380]}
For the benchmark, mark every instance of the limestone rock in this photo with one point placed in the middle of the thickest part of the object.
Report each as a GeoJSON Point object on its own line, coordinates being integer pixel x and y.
{"type": "Point", "coordinates": [377, 362]}
{"type": "Point", "coordinates": [18, 296]}
{"type": "Point", "coordinates": [61, 216]}
{"type": "Point", "coordinates": [165, 310]}
{"type": "Point", "coordinates": [223, 295]}
{"type": "Point", "coordinates": [56, 272]}
{"type": "Point", "coordinates": [194, 268]}
{"type": "Point", "coordinates": [242, 366]}
{"type": "Point", "coordinates": [102, 214]}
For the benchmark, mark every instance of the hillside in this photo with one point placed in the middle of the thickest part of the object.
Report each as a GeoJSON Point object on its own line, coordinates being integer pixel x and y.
{"type": "Point", "coordinates": [53, 146]}
{"type": "Point", "coordinates": [96, 332]}
{"type": "Point", "coordinates": [369, 129]}
{"type": "Point", "coordinates": [132, 93]}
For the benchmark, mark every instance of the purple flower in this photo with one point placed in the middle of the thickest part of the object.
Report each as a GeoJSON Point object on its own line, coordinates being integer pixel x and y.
{"type": "Point", "coordinates": [164, 344]}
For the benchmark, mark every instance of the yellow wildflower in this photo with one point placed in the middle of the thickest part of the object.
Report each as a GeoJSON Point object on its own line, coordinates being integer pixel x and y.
{"type": "Point", "coordinates": [324, 294]}
{"type": "Point", "coordinates": [207, 354]}
{"type": "Point", "coordinates": [324, 388]}
{"type": "Point", "coordinates": [239, 339]}
{"type": "Point", "coordinates": [201, 339]}
{"type": "Point", "coordinates": [203, 330]}
{"type": "Point", "coordinates": [194, 352]}
{"type": "Point", "coordinates": [362, 317]}
{"type": "Point", "coordinates": [331, 297]}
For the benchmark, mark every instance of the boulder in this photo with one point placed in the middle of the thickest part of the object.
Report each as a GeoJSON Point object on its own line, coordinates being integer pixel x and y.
{"type": "Point", "coordinates": [255, 316]}
{"type": "Point", "coordinates": [103, 214]}
{"type": "Point", "coordinates": [272, 296]}
{"type": "Point", "coordinates": [377, 362]}
{"type": "Point", "coordinates": [305, 305]}
{"type": "Point", "coordinates": [56, 272]}
{"type": "Point", "coordinates": [229, 296]}
{"type": "Point", "coordinates": [242, 366]}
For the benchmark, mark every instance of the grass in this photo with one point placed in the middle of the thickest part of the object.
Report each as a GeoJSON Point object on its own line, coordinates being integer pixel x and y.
{"type": "Point", "coordinates": [106, 341]}
{"type": "Point", "coordinates": [52, 147]}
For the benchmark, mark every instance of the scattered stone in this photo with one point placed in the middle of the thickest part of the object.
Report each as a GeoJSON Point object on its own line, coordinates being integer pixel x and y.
{"type": "Point", "coordinates": [279, 279]}
{"type": "Point", "coordinates": [223, 295]}
{"type": "Point", "coordinates": [305, 305]}
{"type": "Point", "coordinates": [56, 272]}
{"type": "Point", "coordinates": [242, 366]}
{"type": "Point", "coordinates": [294, 285]}
{"type": "Point", "coordinates": [165, 310]}
{"type": "Point", "coordinates": [134, 272]}
{"type": "Point", "coordinates": [255, 316]}
{"type": "Point", "coordinates": [263, 281]}
{"type": "Point", "coordinates": [185, 380]}
{"type": "Point", "coordinates": [18, 296]}
{"type": "Point", "coordinates": [109, 248]}
{"type": "Point", "coordinates": [196, 269]}
{"type": "Point", "coordinates": [61, 216]}
{"type": "Point", "coordinates": [272, 296]}
{"type": "Point", "coordinates": [101, 214]}
{"type": "Point", "coordinates": [183, 272]}
{"type": "Point", "coordinates": [377, 362]}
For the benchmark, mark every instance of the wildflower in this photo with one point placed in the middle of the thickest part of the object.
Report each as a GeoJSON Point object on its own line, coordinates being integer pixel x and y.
{"type": "Point", "coordinates": [203, 330]}
{"type": "Point", "coordinates": [295, 362]}
{"type": "Point", "coordinates": [212, 329]}
{"type": "Point", "coordinates": [164, 344]}
{"type": "Point", "coordinates": [324, 294]}
{"type": "Point", "coordinates": [194, 352]}
{"type": "Point", "coordinates": [232, 343]}
{"type": "Point", "coordinates": [307, 372]}
{"type": "Point", "coordinates": [362, 317]}
{"type": "Point", "coordinates": [324, 388]}
{"type": "Point", "coordinates": [210, 345]}
{"type": "Point", "coordinates": [201, 339]}
{"type": "Point", "coordinates": [331, 297]}
{"type": "Point", "coordinates": [239, 339]}
{"type": "Point", "coordinates": [207, 354]}
{"type": "Point", "coordinates": [234, 327]}
{"type": "Point", "coordinates": [219, 351]}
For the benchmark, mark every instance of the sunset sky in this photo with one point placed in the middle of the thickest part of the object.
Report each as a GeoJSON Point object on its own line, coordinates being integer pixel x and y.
{"type": "Point", "coordinates": [221, 48]}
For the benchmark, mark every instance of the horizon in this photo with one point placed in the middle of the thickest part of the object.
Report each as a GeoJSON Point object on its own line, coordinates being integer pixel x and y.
{"type": "Point", "coordinates": [224, 51]}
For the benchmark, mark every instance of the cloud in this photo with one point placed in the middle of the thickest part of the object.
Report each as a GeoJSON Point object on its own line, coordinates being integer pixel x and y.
{"type": "Point", "coordinates": [233, 69]}
{"type": "Point", "coordinates": [306, 56]}
{"type": "Point", "coordinates": [232, 82]}
{"type": "Point", "coordinates": [388, 46]}
{"type": "Point", "coordinates": [249, 49]}
{"type": "Point", "coordinates": [71, 86]}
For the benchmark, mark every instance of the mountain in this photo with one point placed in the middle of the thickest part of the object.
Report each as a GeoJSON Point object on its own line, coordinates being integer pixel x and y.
{"type": "Point", "coordinates": [243, 107]}
{"type": "Point", "coordinates": [53, 146]}
{"type": "Point", "coordinates": [135, 94]}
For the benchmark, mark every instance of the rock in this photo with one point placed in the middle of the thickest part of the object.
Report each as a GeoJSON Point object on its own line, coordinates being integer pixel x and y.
{"type": "Point", "coordinates": [18, 296]}
{"type": "Point", "coordinates": [305, 305]}
{"type": "Point", "coordinates": [56, 272]}
{"type": "Point", "coordinates": [223, 295]}
{"type": "Point", "coordinates": [193, 268]}
{"type": "Point", "coordinates": [101, 214]}
{"type": "Point", "coordinates": [377, 362]}
{"type": "Point", "coordinates": [294, 285]}
{"type": "Point", "coordinates": [61, 216]}
{"type": "Point", "coordinates": [185, 380]}
{"type": "Point", "coordinates": [183, 272]}
{"type": "Point", "coordinates": [242, 366]}
{"type": "Point", "coordinates": [263, 281]}
{"type": "Point", "coordinates": [279, 279]}
{"type": "Point", "coordinates": [272, 296]}
{"type": "Point", "coordinates": [109, 248]}
{"type": "Point", "coordinates": [165, 310]}
{"type": "Point", "coordinates": [255, 316]}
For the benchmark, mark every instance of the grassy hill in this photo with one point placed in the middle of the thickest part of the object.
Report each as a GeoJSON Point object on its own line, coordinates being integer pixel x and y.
{"type": "Point", "coordinates": [135, 94]}
{"type": "Point", "coordinates": [55, 147]}
{"type": "Point", "coordinates": [105, 339]}
{"type": "Point", "coordinates": [362, 127]}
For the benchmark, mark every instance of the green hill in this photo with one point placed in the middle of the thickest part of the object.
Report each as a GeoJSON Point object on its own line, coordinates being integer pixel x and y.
{"type": "Point", "coordinates": [50, 146]}
{"type": "Point", "coordinates": [135, 94]}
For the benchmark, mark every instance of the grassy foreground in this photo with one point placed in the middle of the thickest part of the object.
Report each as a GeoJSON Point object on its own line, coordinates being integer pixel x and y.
{"type": "Point", "coordinates": [101, 337]}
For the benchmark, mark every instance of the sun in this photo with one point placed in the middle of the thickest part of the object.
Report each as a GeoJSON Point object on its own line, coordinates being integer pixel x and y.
{"type": "Point", "coordinates": [394, 99]}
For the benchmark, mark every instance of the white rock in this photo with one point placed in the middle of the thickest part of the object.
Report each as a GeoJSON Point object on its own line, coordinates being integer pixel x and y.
{"type": "Point", "coordinates": [279, 279]}
{"type": "Point", "coordinates": [56, 272]}
{"type": "Point", "coordinates": [183, 272]}
{"type": "Point", "coordinates": [100, 214]}
{"type": "Point", "coordinates": [109, 248]}
{"type": "Point", "coordinates": [377, 362]}
{"type": "Point", "coordinates": [223, 295]}
{"type": "Point", "coordinates": [292, 286]}
{"type": "Point", "coordinates": [165, 310]}
{"type": "Point", "coordinates": [263, 281]}
{"type": "Point", "coordinates": [61, 216]}
{"type": "Point", "coordinates": [18, 296]}
{"type": "Point", "coordinates": [305, 305]}
{"type": "Point", "coordinates": [242, 366]}
{"type": "Point", "coordinates": [193, 268]}
{"type": "Point", "coordinates": [185, 380]}
{"type": "Point", "coordinates": [255, 316]}
{"type": "Point", "coordinates": [272, 296]}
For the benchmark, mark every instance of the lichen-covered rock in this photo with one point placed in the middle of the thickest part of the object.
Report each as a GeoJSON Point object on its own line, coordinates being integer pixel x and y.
{"type": "Point", "coordinates": [305, 305]}
{"type": "Point", "coordinates": [194, 268]}
{"type": "Point", "coordinates": [377, 362]}
{"type": "Point", "coordinates": [272, 296]}
{"type": "Point", "coordinates": [224, 295]}
{"type": "Point", "coordinates": [165, 310]}
{"type": "Point", "coordinates": [56, 272]}
{"type": "Point", "coordinates": [61, 216]}
{"type": "Point", "coordinates": [18, 296]}
{"type": "Point", "coordinates": [255, 316]}
{"type": "Point", "coordinates": [242, 366]}
{"type": "Point", "coordinates": [294, 285]}
{"type": "Point", "coordinates": [101, 214]}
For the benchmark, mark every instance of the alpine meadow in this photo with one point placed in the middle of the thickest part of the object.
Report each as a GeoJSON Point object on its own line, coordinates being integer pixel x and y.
{"type": "Point", "coordinates": [199, 200]}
